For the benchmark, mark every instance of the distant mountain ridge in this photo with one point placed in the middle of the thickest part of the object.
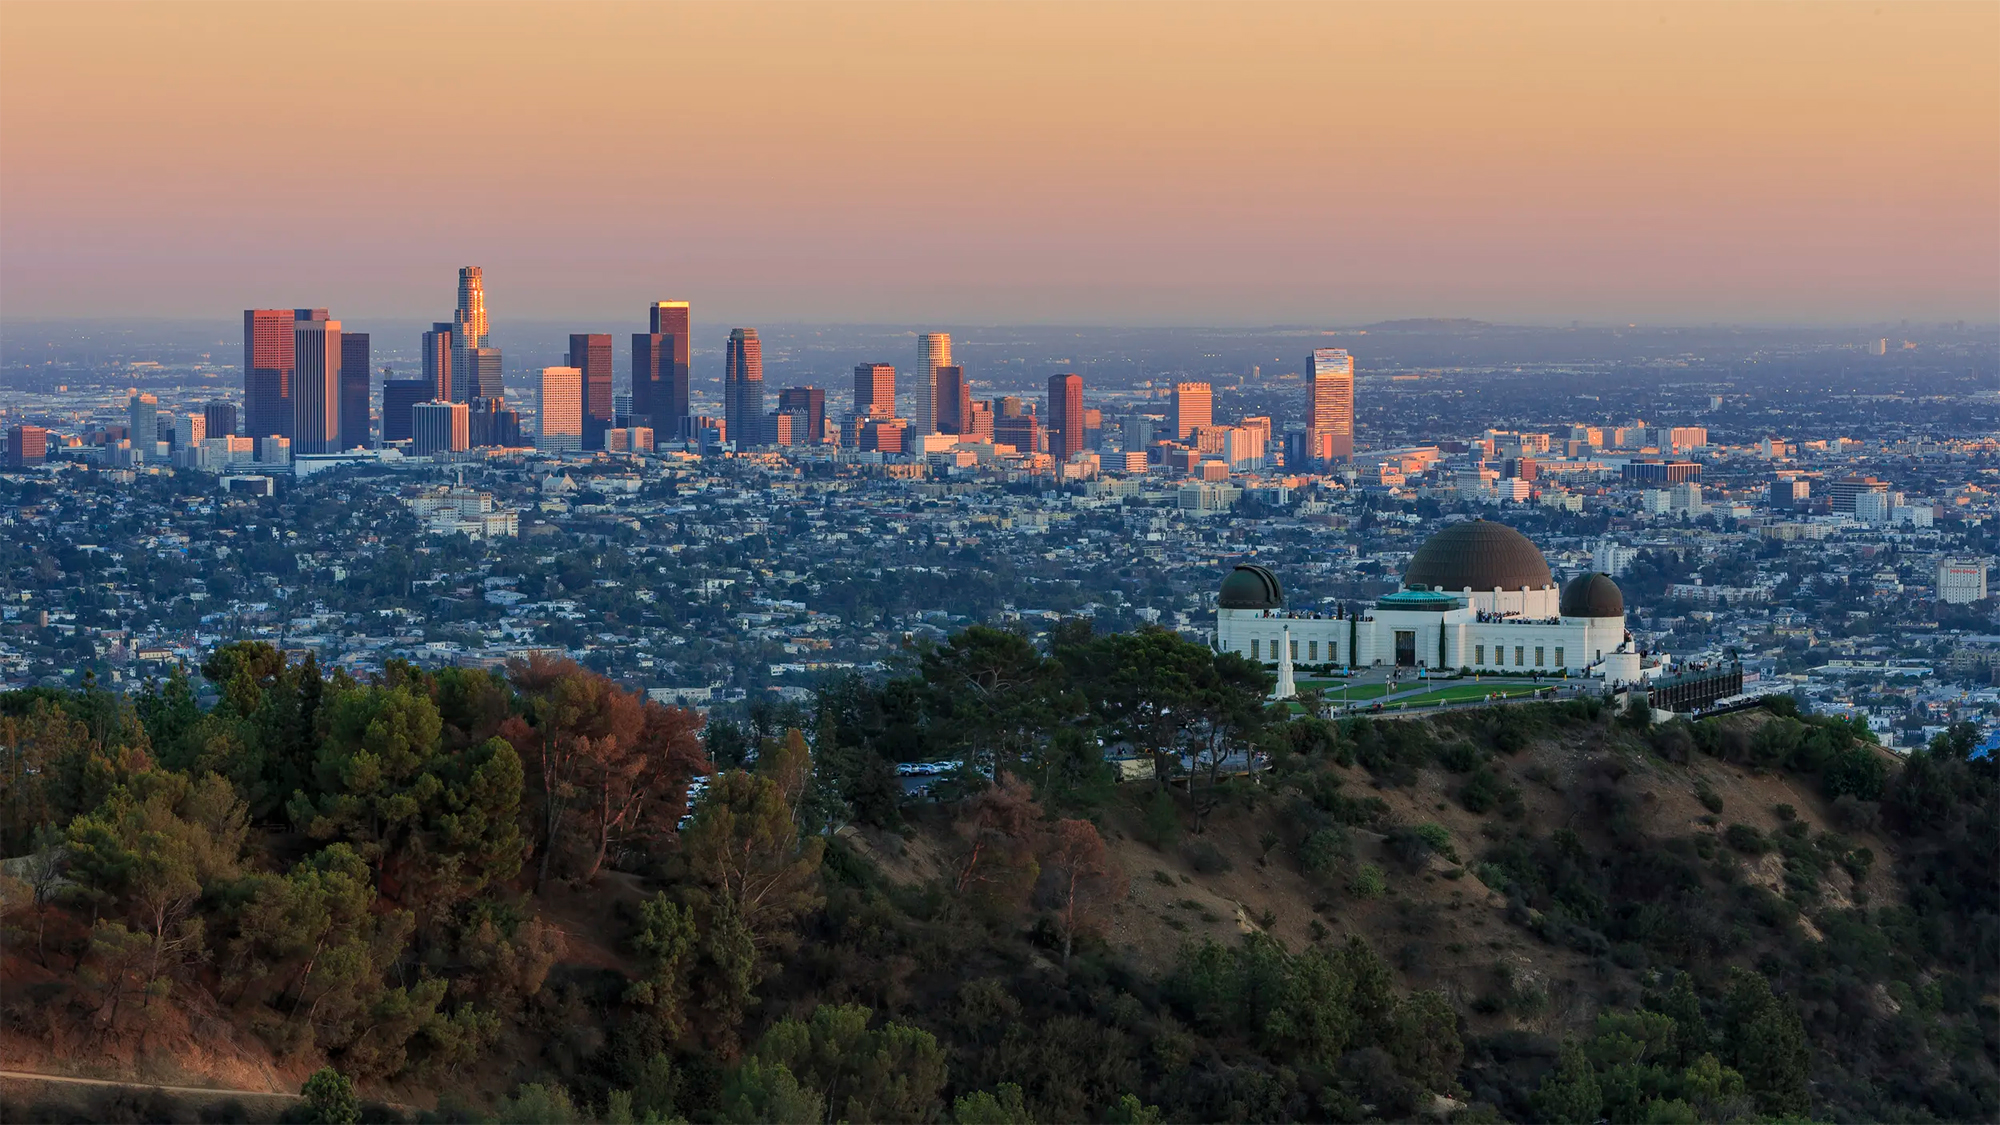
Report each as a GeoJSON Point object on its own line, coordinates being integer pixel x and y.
{"type": "Point", "coordinates": [1430, 324]}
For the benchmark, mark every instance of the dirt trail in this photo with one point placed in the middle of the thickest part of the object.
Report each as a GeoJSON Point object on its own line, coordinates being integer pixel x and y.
{"type": "Point", "coordinates": [30, 1076]}
{"type": "Point", "coordinates": [205, 1091]}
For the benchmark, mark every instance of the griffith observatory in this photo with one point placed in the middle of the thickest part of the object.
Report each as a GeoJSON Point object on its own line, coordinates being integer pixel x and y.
{"type": "Point", "coordinates": [1476, 595]}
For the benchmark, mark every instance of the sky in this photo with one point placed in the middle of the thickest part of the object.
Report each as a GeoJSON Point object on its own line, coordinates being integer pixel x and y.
{"type": "Point", "coordinates": [1006, 163]}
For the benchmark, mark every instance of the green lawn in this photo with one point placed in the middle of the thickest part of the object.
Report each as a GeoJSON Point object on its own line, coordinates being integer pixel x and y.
{"type": "Point", "coordinates": [1338, 690]}
{"type": "Point", "coordinates": [1458, 693]}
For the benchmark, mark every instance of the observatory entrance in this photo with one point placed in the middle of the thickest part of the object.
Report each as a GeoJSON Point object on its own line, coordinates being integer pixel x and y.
{"type": "Point", "coordinates": [1406, 648]}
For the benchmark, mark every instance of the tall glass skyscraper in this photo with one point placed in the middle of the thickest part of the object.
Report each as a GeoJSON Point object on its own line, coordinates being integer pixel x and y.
{"type": "Point", "coordinates": [468, 338]}
{"type": "Point", "coordinates": [315, 382]}
{"type": "Point", "coordinates": [267, 372]}
{"type": "Point", "coordinates": [933, 352]}
{"type": "Point", "coordinates": [954, 400]}
{"type": "Point", "coordinates": [660, 369]}
{"type": "Point", "coordinates": [1330, 426]}
{"type": "Point", "coordinates": [480, 376]}
{"type": "Point", "coordinates": [590, 353]}
{"type": "Point", "coordinates": [439, 355]}
{"type": "Point", "coordinates": [743, 388]}
{"type": "Point", "coordinates": [470, 319]}
{"type": "Point", "coordinates": [355, 391]}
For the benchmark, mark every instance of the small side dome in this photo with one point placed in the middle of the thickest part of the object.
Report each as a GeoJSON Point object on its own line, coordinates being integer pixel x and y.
{"type": "Point", "coordinates": [1250, 586]}
{"type": "Point", "coordinates": [1592, 595]}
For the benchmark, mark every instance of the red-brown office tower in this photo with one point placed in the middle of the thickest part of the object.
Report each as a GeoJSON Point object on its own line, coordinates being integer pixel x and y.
{"type": "Point", "coordinates": [954, 401]}
{"type": "Point", "coordinates": [660, 369]}
{"type": "Point", "coordinates": [590, 353]}
{"type": "Point", "coordinates": [1065, 416]}
{"type": "Point", "coordinates": [27, 446]}
{"type": "Point", "coordinates": [874, 389]}
{"type": "Point", "coordinates": [354, 391]}
{"type": "Point", "coordinates": [267, 372]}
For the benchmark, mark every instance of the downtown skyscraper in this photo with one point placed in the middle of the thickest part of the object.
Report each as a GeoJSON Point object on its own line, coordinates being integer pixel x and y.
{"type": "Point", "coordinates": [469, 320]}
{"type": "Point", "coordinates": [1065, 416]}
{"type": "Point", "coordinates": [315, 383]}
{"type": "Point", "coordinates": [475, 364]}
{"type": "Point", "coordinates": [933, 352]}
{"type": "Point", "coordinates": [875, 390]}
{"type": "Point", "coordinates": [562, 410]}
{"type": "Point", "coordinates": [267, 372]}
{"type": "Point", "coordinates": [811, 402]}
{"type": "Point", "coordinates": [1194, 406]}
{"type": "Point", "coordinates": [954, 400]}
{"type": "Point", "coordinates": [660, 368]}
{"type": "Point", "coordinates": [439, 354]}
{"type": "Point", "coordinates": [590, 353]}
{"type": "Point", "coordinates": [1330, 421]}
{"type": "Point", "coordinates": [743, 388]}
{"type": "Point", "coordinates": [355, 391]}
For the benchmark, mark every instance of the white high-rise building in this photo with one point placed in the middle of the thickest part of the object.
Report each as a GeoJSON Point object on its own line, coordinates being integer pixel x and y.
{"type": "Point", "coordinates": [562, 409]}
{"type": "Point", "coordinates": [189, 431]}
{"type": "Point", "coordinates": [933, 352]}
{"type": "Point", "coordinates": [1961, 581]}
{"type": "Point", "coordinates": [274, 450]}
{"type": "Point", "coordinates": [1612, 557]}
{"type": "Point", "coordinates": [143, 425]}
{"type": "Point", "coordinates": [1873, 508]}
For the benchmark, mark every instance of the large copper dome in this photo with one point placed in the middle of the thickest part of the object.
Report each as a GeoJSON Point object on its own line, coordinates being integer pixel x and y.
{"type": "Point", "coordinates": [1481, 555]}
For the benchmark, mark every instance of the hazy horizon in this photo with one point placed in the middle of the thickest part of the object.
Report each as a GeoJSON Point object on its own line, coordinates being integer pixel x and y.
{"type": "Point", "coordinates": [1069, 164]}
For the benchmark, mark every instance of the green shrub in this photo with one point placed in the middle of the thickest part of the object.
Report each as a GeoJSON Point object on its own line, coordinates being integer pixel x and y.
{"type": "Point", "coordinates": [1484, 790]}
{"type": "Point", "coordinates": [1459, 757]}
{"type": "Point", "coordinates": [1857, 863]}
{"type": "Point", "coordinates": [1207, 859]}
{"type": "Point", "coordinates": [1674, 742]}
{"type": "Point", "coordinates": [1324, 850]}
{"type": "Point", "coordinates": [1368, 882]}
{"type": "Point", "coordinates": [1710, 799]}
{"type": "Point", "coordinates": [1785, 812]}
{"type": "Point", "coordinates": [1746, 839]}
{"type": "Point", "coordinates": [1856, 771]}
{"type": "Point", "coordinates": [329, 1098]}
{"type": "Point", "coordinates": [1161, 820]}
{"type": "Point", "coordinates": [1409, 847]}
{"type": "Point", "coordinates": [1439, 838]}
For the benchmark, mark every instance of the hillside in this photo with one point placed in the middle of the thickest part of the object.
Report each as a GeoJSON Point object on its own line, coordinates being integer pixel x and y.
{"type": "Point", "coordinates": [1529, 912]}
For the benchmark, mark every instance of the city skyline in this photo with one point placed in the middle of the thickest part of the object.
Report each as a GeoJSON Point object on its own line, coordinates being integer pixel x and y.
{"type": "Point", "coordinates": [1495, 506]}
{"type": "Point", "coordinates": [1823, 163]}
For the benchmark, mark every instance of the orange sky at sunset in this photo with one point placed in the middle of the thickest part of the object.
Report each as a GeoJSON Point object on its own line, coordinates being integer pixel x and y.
{"type": "Point", "coordinates": [1006, 163]}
